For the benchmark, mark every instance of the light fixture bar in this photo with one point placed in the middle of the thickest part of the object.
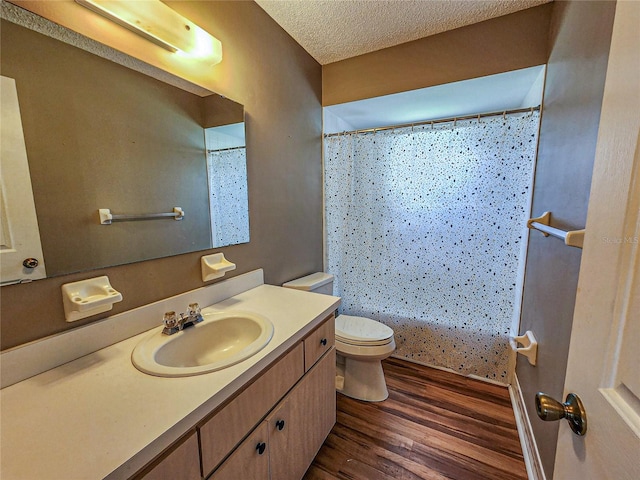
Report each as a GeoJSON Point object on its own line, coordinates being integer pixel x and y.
{"type": "Point", "coordinates": [117, 14]}
{"type": "Point", "coordinates": [161, 25]}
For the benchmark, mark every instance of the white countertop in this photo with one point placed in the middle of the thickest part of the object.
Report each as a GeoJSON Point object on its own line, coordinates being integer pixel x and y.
{"type": "Point", "coordinates": [99, 417]}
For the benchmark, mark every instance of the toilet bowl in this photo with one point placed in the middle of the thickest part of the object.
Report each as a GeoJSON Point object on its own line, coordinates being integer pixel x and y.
{"type": "Point", "coordinates": [361, 345]}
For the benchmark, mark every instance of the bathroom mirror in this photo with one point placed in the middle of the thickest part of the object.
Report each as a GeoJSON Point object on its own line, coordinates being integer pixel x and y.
{"type": "Point", "coordinates": [99, 135]}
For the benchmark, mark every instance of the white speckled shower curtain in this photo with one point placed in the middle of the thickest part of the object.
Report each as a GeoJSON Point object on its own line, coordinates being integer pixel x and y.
{"type": "Point", "coordinates": [425, 229]}
{"type": "Point", "coordinates": [228, 205]}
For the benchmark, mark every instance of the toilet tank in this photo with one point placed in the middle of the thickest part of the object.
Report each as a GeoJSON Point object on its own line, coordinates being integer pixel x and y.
{"type": "Point", "coordinates": [316, 282]}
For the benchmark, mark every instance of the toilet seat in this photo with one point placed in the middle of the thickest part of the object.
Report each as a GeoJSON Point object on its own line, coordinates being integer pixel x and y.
{"type": "Point", "coordinates": [361, 331]}
{"type": "Point", "coordinates": [361, 345]}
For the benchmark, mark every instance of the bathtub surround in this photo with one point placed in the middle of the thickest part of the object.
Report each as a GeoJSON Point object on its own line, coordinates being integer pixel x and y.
{"type": "Point", "coordinates": [425, 232]}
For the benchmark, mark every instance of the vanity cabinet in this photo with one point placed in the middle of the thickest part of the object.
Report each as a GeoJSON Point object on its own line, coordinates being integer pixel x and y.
{"type": "Point", "coordinates": [292, 433]}
{"type": "Point", "coordinates": [271, 429]}
{"type": "Point", "coordinates": [300, 423]}
{"type": "Point", "coordinates": [296, 398]}
{"type": "Point", "coordinates": [229, 425]}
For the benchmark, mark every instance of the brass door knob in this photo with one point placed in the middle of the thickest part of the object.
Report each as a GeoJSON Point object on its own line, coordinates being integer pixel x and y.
{"type": "Point", "coordinates": [30, 263]}
{"type": "Point", "coordinates": [572, 409]}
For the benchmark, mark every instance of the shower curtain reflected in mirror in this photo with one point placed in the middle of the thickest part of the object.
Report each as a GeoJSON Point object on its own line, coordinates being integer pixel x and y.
{"type": "Point", "coordinates": [228, 196]}
{"type": "Point", "coordinates": [426, 232]}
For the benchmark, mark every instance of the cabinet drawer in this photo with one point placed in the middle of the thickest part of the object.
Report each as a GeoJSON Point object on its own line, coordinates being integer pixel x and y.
{"type": "Point", "coordinates": [183, 462]}
{"type": "Point", "coordinates": [319, 341]}
{"type": "Point", "coordinates": [222, 432]}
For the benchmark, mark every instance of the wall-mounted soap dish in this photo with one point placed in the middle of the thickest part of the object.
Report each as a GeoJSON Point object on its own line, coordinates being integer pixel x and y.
{"type": "Point", "coordinates": [215, 266]}
{"type": "Point", "coordinates": [529, 346]}
{"type": "Point", "coordinates": [88, 297]}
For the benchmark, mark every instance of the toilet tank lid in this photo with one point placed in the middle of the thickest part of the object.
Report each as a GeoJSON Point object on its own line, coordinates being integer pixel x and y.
{"type": "Point", "coordinates": [310, 282]}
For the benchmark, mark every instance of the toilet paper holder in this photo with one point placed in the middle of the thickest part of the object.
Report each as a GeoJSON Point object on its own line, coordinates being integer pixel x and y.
{"type": "Point", "coordinates": [529, 346]}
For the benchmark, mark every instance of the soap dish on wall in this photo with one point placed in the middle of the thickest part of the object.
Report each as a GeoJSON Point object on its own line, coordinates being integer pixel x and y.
{"type": "Point", "coordinates": [215, 266]}
{"type": "Point", "coordinates": [529, 346]}
{"type": "Point", "coordinates": [88, 297]}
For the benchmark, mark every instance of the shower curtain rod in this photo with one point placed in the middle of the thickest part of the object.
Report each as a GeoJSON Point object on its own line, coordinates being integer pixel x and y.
{"type": "Point", "coordinates": [226, 149]}
{"type": "Point", "coordinates": [440, 120]}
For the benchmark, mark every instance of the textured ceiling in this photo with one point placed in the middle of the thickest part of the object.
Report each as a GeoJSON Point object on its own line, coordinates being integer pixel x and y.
{"type": "Point", "coordinates": [332, 30]}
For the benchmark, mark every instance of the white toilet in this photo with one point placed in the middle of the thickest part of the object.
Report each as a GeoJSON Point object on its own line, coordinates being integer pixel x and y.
{"type": "Point", "coordinates": [361, 345]}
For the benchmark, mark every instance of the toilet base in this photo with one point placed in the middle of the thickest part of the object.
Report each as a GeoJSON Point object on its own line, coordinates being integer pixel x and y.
{"type": "Point", "coordinates": [362, 380]}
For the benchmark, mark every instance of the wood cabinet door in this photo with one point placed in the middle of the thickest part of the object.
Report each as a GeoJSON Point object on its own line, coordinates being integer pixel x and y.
{"type": "Point", "coordinates": [222, 432]}
{"type": "Point", "coordinates": [301, 422]}
{"type": "Point", "coordinates": [249, 461]}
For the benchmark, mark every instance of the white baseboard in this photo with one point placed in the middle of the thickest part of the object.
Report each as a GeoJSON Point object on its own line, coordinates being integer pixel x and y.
{"type": "Point", "coordinates": [525, 432]}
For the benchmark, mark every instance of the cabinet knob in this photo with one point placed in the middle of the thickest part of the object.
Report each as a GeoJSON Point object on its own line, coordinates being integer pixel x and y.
{"type": "Point", "coordinates": [323, 342]}
{"type": "Point", "coordinates": [280, 424]}
{"type": "Point", "coordinates": [260, 448]}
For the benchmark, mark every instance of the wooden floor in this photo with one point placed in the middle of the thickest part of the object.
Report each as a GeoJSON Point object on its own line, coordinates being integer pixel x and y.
{"type": "Point", "coordinates": [434, 425]}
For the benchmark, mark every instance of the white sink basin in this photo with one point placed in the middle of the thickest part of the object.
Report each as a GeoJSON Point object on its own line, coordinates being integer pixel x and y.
{"type": "Point", "coordinates": [221, 340]}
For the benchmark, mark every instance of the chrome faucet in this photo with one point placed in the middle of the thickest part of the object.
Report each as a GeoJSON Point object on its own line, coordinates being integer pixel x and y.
{"type": "Point", "coordinates": [174, 323]}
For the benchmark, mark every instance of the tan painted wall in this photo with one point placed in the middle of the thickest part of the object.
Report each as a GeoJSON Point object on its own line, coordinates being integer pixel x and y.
{"type": "Point", "coordinates": [502, 44]}
{"type": "Point", "coordinates": [579, 46]}
{"type": "Point", "coordinates": [280, 86]}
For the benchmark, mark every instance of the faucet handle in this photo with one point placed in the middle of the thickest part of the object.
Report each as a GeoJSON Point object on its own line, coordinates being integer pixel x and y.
{"type": "Point", "coordinates": [194, 313]}
{"type": "Point", "coordinates": [170, 319]}
{"type": "Point", "coordinates": [171, 324]}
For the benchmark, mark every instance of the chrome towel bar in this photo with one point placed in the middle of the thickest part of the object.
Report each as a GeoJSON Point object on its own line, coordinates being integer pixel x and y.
{"type": "Point", "coordinates": [106, 217]}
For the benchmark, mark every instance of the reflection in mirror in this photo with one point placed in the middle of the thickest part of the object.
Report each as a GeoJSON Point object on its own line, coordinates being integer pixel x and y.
{"type": "Point", "coordinates": [227, 168]}
{"type": "Point", "coordinates": [100, 135]}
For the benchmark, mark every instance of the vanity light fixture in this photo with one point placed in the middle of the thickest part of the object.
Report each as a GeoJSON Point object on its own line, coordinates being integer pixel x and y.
{"type": "Point", "coordinates": [161, 25]}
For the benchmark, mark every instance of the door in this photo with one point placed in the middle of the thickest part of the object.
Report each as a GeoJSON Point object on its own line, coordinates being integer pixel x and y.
{"type": "Point", "coordinates": [604, 358]}
{"type": "Point", "coordinates": [19, 235]}
{"type": "Point", "coordinates": [249, 461]}
{"type": "Point", "coordinates": [302, 420]}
